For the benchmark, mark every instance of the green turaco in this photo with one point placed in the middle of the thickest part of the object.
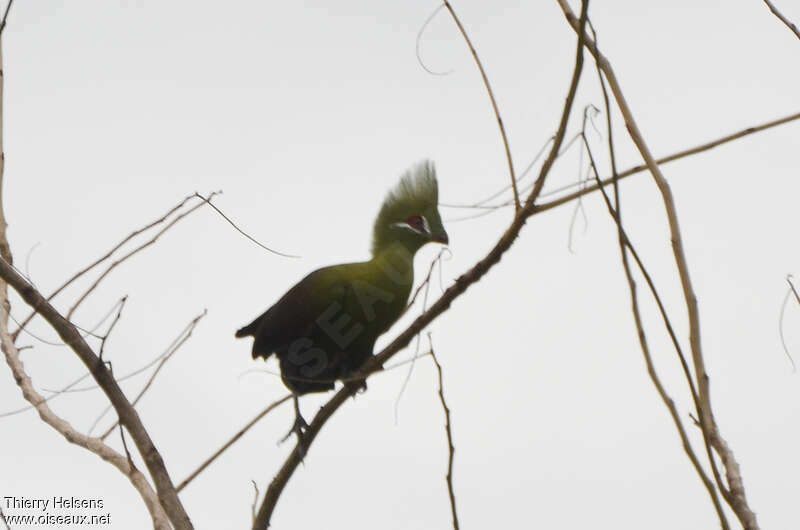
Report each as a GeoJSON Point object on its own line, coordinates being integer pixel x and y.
{"type": "Point", "coordinates": [325, 327]}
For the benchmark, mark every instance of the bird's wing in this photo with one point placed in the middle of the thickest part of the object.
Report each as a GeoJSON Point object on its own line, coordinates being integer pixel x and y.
{"type": "Point", "coordinates": [296, 313]}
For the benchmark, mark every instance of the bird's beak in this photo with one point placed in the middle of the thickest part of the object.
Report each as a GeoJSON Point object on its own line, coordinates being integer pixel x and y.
{"type": "Point", "coordinates": [441, 238]}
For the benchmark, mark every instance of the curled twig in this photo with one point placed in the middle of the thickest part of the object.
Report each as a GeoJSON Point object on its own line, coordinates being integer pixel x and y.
{"type": "Point", "coordinates": [419, 40]}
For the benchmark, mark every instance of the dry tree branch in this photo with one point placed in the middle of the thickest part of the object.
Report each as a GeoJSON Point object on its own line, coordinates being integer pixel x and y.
{"type": "Point", "coordinates": [103, 340]}
{"type": "Point", "coordinates": [494, 103]}
{"type": "Point", "coordinates": [424, 286]}
{"type": "Point", "coordinates": [671, 158]}
{"type": "Point", "coordinates": [633, 170]}
{"type": "Point", "coordinates": [476, 273]}
{"type": "Point", "coordinates": [625, 245]}
{"type": "Point", "coordinates": [96, 446]}
{"type": "Point", "coordinates": [137, 479]}
{"type": "Point", "coordinates": [135, 251]}
{"type": "Point", "coordinates": [186, 334]}
{"type": "Point", "coordinates": [789, 23]}
{"type": "Point", "coordinates": [738, 500]}
{"type": "Point", "coordinates": [450, 448]}
{"type": "Point", "coordinates": [5, 16]}
{"type": "Point", "coordinates": [230, 442]}
{"type": "Point", "coordinates": [104, 257]}
{"type": "Point", "coordinates": [127, 414]}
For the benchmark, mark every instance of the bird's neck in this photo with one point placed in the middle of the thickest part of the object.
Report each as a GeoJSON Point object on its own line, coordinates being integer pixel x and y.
{"type": "Point", "coordinates": [396, 263]}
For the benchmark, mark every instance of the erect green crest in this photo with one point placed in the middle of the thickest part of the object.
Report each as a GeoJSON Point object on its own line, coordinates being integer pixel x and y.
{"type": "Point", "coordinates": [417, 194]}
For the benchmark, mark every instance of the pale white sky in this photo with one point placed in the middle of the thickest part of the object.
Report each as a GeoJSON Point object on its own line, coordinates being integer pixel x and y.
{"type": "Point", "coordinates": [304, 115]}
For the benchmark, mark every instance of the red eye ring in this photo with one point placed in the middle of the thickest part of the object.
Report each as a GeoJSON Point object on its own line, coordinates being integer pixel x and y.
{"type": "Point", "coordinates": [415, 222]}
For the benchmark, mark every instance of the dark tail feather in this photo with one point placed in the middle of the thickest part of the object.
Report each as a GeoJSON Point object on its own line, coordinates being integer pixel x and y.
{"type": "Point", "coordinates": [248, 330]}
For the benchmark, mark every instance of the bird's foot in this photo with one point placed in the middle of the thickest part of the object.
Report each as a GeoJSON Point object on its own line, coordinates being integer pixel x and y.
{"type": "Point", "coordinates": [358, 386]}
{"type": "Point", "coordinates": [299, 428]}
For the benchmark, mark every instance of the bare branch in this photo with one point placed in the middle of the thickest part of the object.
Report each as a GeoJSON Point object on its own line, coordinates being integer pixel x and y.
{"type": "Point", "coordinates": [494, 103]}
{"type": "Point", "coordinates": [111, 327]}
{"type": "Point", "coordinates": [133, 253]}
{"type": "Point", "coordinates": [450, 447]}
{"type": "Point", "coordinates": [96, 446]}
{"type": "Point", "coordinates": [624, 174]}
{"type": "Point", "coordinates": [739, 504]}
{"type": "Point", "coordinates": [626, 245]}
{"type": "Point", "coordinates": [789, 23]}
{"type": "Point", "coordinates": [230, 442]}
{"type": "Point", "coordinates": [160, 521]}
{"type": "Point", "coordinates": [5, 16]}
{"type": "Point", "coordinates": [176, 346]}
{"type": "Point", "coordinates": [104, 257]}
{"type": "Point", "coordinates": [127, 414]}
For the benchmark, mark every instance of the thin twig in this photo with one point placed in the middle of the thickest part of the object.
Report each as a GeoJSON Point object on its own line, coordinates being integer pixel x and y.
{"type": "Point", "coordinates": [230, 442]}
{"type": "Point", "coordinates": [481, 204]}
{"type": "Point", "coordinates": [410, 371]}
{"type": "Point", "coordinates": [419, 40]}
{"type": "Point", "coordinates": [245, 234]}
{"type": "Point", "coordinates": [105, 256]}
{"type": "Point", "coordinates": [450, 447]}
{"type": "Point", "coordinates": [164, 359]}
{"type": "Point", "coordinates": [111, 327]}
{"type": "Point", "coordinates": [792, 287]}
{"type": "Point", "coordinates": [426, 285]}
{"type": "Point", "coordinates": [133, 252]}
{"type": "Point", "coordinates": [789, 23]}
{"type": "Point", "coordinates": [125, 446]}
{"type": "Point", "coordinates": [5, 16]}
{"type": "Point", "coordinates": [626, 173]}
{"type": "Point", "coordinates": [494, 103]}
{"type": "Point", "coordinates": [256, 494]}
{"type": "Point", "coordinates": [780, 319]}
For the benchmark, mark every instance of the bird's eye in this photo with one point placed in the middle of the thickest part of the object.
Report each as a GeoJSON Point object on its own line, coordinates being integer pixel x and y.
{"type": "Point", "coordinates": [416, 222]}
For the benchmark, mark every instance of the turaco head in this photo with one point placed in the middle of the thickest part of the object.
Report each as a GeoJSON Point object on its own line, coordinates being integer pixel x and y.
{"type": "Point", "coordinates": [410, 214]}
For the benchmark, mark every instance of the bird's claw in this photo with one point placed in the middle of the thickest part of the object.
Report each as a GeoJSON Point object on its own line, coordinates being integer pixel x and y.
{"type": "Point", "coordinates": [299, 428]}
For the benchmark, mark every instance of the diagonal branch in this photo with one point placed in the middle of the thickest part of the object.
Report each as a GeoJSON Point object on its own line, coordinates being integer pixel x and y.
{"type": "Point", "coordinates": [133, 252]}
{"type": "Point", "coordinates": [461, 284]}
{"type": "Point", "coordinates": [186, 334]}
{"type": "Point", "coordinates": [789, 23]}
{"type": "Point", "coordinates": [129, 418]}
{"type": "Point", "coordinates": [230, 442]}
{"type": "Point", "coordinates": [104, 257]}
{"type": "Point", "coordinates": [675, 156]}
